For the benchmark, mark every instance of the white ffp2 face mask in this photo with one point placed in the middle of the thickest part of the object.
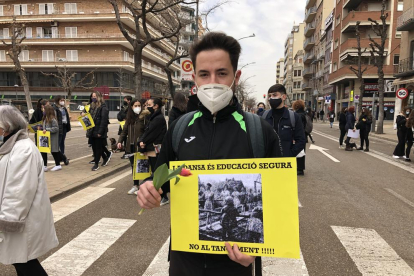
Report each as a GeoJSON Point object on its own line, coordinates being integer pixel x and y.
{"type": "Point", "coordinates": [215, 96]}
{"type": "Point", "coordinates": [137, 110]}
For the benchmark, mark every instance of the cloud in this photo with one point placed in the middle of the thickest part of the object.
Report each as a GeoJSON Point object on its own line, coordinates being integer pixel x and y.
{"type": "Point", "coordinates": [271, 21]}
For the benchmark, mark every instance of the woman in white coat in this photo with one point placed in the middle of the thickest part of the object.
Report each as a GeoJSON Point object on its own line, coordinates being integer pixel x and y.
{"type": "Point", "coordinates": [26, 221]}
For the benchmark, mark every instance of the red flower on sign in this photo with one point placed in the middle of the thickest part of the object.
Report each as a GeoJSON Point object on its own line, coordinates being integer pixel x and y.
{"type": "Point", "coordinates": [185, 172]}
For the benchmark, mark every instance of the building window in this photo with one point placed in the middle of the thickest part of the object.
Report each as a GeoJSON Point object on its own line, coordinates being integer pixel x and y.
{"type": "Point", "coordinates": [396, 59]}
{"type": "Point", "coordinates": [2, 55]}
{"type": "Point", "coordinates": [336, 43]}
{"type": "Point", "coordinates": [71, 32]}
{"type": "Point", "coordinates": [400, 6]}
{"type": "Point", "coordinates": [295, 73]}
{"type": "Point", "coordinates": [29, 33]}
{"type": "Point", "coordinates": [126, 56]}
{"type": "Point", "coordinates": [5, 33]}
{"type": "Point", "coordinates": [397, 34]}
{"type": "Point", "coordinates": [338, 20]}
{"type": "Point", "coordinates": [71, 8]}
{"type": "Point", "coordinates": [20, 9]}
{"type": "Point", "coordinates": [335, 66]}
{"type": "Point", "coordinates": [24, 55]}
{"type": "Point", "coordinates": [47, 55]}
{"type": "Point", "coordinates": [46, 8]}
{"type": "Point", "coordinates": [72, 55]}
{"type": "Point", "coordinates": [1, 11]}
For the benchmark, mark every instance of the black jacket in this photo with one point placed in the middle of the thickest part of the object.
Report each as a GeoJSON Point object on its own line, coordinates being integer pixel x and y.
{"type": "Point", "coordinates": [350, 121]}
{"type": "Point", "coordinates": [342, 119]}
{"type": "Point", "coordinates": [154, 132]}
{"type": "Point", "coordinates": [174, 114]}
{"type": "Point", "coordinates": [37, 116]}
{"type": "Point", "coordinates": [121, 116]}
{"type": "Point", "coordinates": [287, 135]}
{"type": "Point", "coordinates": [101, 120]}
{"type": "Point", "coordinates": [223, 138]}
{"type": "Point", "coordinates": [192, 104]}
{"type": "Point", "coordinates": [365, 126]}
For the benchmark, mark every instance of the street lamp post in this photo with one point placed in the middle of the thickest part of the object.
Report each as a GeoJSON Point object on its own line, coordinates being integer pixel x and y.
{"type": "Point", "coordinates": [15, 89]}
{"type": "Point", "coordinates": [252, 35]}
{"type": "Point", "coordinates": [254, 62]}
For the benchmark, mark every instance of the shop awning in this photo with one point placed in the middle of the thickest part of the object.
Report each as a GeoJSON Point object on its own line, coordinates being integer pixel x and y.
{"type": "Point", "coordinates": [403, 81]}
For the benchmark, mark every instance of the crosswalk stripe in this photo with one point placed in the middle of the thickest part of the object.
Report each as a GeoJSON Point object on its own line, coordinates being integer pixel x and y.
{"type": "Point", "coordinates": [115, 179]}
{"type": "Point", "coordinates": [284, 267]}
{"type": "Point", "coordinates": [371, 253]}
{"type": "Point", "coordinates": [74, 202]}
{"type": "Point", "coordinates": [159, 265]}
{"type": "Point", "coordinates": [80, 253]}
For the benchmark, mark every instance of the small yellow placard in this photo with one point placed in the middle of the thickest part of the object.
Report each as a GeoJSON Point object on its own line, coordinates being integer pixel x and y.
{"type": "Point", "coordinates": [122, 124]}
{"type": "Point", "coordinates": [87, 108]}
{"type": "Point", "coordinates": [43, 141]}
{"type": "Point", "coordinates": [141, 167]}
{"type": "Point", "coordinates": [86, 121]}
{"type": "Point", "coordinates": [33, 128]}
{"type": "Point", "coordinates": [250, 202]}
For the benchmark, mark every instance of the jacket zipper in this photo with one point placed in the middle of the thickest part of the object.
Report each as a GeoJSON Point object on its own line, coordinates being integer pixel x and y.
{"type": "Point", "coordinates": [212, 138]}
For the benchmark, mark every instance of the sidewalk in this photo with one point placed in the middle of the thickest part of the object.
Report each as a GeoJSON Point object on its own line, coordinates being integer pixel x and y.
{"type": "Point", "coordinates": [78, 174]}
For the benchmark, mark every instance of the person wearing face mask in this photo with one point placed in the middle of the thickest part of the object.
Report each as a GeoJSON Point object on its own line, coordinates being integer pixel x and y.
{"type": "Point", "coordinates": [260, 109]}
{"type": "Point", "coordinates": [405, 136]}
{"type": "Point", "coordinates": [133, 129]}
{"type": "Point", "coordinates": [122, 114]}
{"type": "Point", "coordinates": [217, 130]}
{"type": "Point", "coordinates": [285, 122]}
{"type": "Point", "coordinates": [63, 120]}
{"type": "Point", "coordinates": [179, 108]}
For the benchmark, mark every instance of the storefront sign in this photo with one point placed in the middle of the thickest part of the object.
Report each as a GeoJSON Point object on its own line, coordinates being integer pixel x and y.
{"type": "Point", "coordinates": [369, 103]}
{"type": "Point", "coordinates": [186, 69]}
{"type": "Point", "coordinates": [351, 99]}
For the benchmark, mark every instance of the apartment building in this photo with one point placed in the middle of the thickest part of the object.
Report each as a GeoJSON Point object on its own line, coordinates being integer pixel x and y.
{"type": "Point", "coordinates": [297, 77]}
{"type": "Point", "coordinates": [347, 13]}
{"type": "Point", "coordinates": [404, 71]}
{"type": "Point", "coordinates": [316, 12]}
{"type": "Point", "coordinates": [82, 36]}
{"type": "Point", "coordinates": [280, 70]}
{"type": "Point", "coordinates": [293, 45]}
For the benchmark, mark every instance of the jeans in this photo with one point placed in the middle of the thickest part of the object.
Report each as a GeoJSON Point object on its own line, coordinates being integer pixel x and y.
{"type": "Point", "coordinates": [31, 268]}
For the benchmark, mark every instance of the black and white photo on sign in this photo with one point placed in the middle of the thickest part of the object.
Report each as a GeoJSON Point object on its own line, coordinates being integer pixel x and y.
{"type": "Point", "coordinates": [389, 86]}
{"type": "Point", "coordinates": [230, 208]}
{"type": "Point", "coordinates": [44, 141]}
{"type": "Point", "coordinates": [142, 166]}
{"type": "Point", "coordinates": [86, 121]}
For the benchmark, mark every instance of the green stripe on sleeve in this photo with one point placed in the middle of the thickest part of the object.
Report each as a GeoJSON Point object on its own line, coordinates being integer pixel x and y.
{"type": "Point", "coordinates": [196, 116]}
{"type": "Point", "coordinates": [239, 118]}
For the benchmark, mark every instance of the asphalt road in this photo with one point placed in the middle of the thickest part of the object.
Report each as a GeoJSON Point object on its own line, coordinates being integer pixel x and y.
{"type": "Point", "coordinates": [356, 216]}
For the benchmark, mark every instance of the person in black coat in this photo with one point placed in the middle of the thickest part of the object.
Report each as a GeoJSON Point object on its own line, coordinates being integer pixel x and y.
{"type": "Point", "coordinates": [342, 124]}
{"type": "Point", "coordinates": [179, 108]}
{"type": "Point", "coordinates": [98, 134]}
{"type": "Point", "coordinates": [193, 102]}
{"type": "Point", "coordinates": [350, 124]}
{"type": "Point", "coordinates": [404, 134]}
{"type": "Point", "coordinates": [364, 124]}
{"type": "Point", "coordinates": [63, 118]}
{"type": "Point", "coordinates": [122, 114]}
{"type": "Point", "coordinates": [260, 109]}
{"type": "Point", "coordinates": [299, 107]}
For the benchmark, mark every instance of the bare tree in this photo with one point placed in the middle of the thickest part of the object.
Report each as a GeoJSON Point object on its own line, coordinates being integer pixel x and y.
{"type": "Point", "coordinates": [15, 48]}
{"type": "Point", "coordinates": [250, 103]}
{"type": "Point", "coordinates": [359, 71]}
{"type": "Point", "coordinates": [243, 91]}
{"type": "Point", "coordinates": [168, 26]}
{"type": "Point", "coordinates": [66, 79]}
{"type": "Point", "coordinates": [211, 10]}
{"type": "Point", "coordinates": [378, 55]}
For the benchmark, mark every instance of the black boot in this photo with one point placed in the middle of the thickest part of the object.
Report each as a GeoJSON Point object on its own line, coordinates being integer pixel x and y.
{"type": "Point", "coordinates": [366, 149]}
{"type": "Point", "coordinates": [360, 148]}
{"type": "Point", "coordinates": [348, 147]}
{"type": "Point", "coordinates": [353, 145]}
{"type": "Point", "coordinates": [65, 160]}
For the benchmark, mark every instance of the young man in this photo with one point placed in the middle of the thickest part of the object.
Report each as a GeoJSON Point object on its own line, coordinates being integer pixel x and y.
{"type": "Point", "coordinates": [260, 109]}
{"type": "Point", "coordinates": [217, 128]}
{"type": "Point", "coordinates": [291, 136]}
{"type": "Point", "coordinates": [122, 116]}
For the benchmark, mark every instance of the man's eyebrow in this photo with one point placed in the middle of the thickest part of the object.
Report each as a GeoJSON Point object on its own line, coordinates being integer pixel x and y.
{"type": "Point", "coordinates": [202, 71]}
{"type": "Point", "coordinates": [222, 69]}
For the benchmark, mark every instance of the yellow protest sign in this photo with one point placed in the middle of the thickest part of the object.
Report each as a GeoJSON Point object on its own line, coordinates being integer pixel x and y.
{"type": "Point", "coordinates": [87, 108]}
{"type": "Point", "coordinates": [34, 127]}
{"type": "Point", "coordinates": [43, 141]}
{"type": "Point", "coordinates": [86, 121]}
{"type": "Point", "coordinates": [141, 167]}
{"type": "Point", "coordinates": [250, 202]}
{"type": "Point", "coordinates": [122, 124]}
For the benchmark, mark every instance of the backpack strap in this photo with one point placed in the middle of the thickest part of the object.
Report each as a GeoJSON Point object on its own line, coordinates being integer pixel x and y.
{"type": "Point", "coordinates": [179, 128]}
{"type": "Point", "coordinates": [264, 115]}
{"type": "Point", "coordinates": [292, 119]}
{"type": "Point", "coordinates": [254, 128]}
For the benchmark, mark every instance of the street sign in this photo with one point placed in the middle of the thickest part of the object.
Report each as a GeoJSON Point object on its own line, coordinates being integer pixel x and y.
{"type": "Point", "coordinates": [146, 95]}
{"type": "Point", "coordinates": [193, 90]}
{"type": "Point", "coordinates": [402, 93]}
{"type": "Point", "coordinates": [186, 69]}
{"type": "Point", "coordinates": [351, 98]}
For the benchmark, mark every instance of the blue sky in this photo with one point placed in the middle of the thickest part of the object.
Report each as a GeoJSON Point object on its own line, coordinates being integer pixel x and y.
{"type": "Point", "coordinates": [271, 21]}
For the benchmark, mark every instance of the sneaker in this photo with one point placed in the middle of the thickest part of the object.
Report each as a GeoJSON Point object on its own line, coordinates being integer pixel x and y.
{"type": "Point", "coordinates": [92, 162]}
{"type": "Point", "coordinates": [95, 167]}
{"type": "Point", "coordinates": [341, 147]}
{"type": "Point", "coordinates": [133, 190]}
{"type": "Point", "coordinates": [408, 159]}
{"type": "Point", "coordinates": [45, 169]}
{"type": "Point", "coordinates": [366, 150]}
{"type": "Point", "coordinates": [56, 168]}
{"type": "Point", "coordinates": [164, 201]}
{"type": "Point", "coordinates": [313, 141]}
{"type": "Point", "coordinates": [360, 148]}
{"type": "Point", "coordinates": [136, 192]}
{"type": "Point", "coordinates": [109, 157]}
{"type": "Point", "coordinates": [396, 157]}
{"type": "Point", "coordinates": [124, 156]}
{"type": "Point", "coordinates": [66, 162]}
{"type": "Point", "coordinates": [105, 162]}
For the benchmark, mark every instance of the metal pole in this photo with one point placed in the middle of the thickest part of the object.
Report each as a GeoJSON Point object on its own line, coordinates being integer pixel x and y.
{"type": "Point", "coordinates": [196, 25]}
{"type": "Point", "coordinates": [373, 113]}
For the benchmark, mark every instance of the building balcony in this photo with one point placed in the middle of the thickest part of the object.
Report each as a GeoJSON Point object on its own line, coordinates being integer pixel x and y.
{"type": "Point", "coordinates": [309, 29]}
{"type": "Point", "coordinates": [306, 86]}
{"type": "Point", "coordinates": [405, 21]}
{"type": "Point", "coordinates": [349, 22]}
{"type": "Point", "coordinates": [308, 58]}
{"type": "Point", "coordinates": [310, 3]}
{"type": "Point", "coordinates": [344, 73]}
{"type": "Point", "coordinates": [404, 68]}
{"type": "Point", "coordinates": [310, 14]}
{"type": "Point", "coordinates": [319, 74]}
{"type": "Point", "coordinates": [309, 43]}
{"type": "Point", "coordinates": [352, 4]}
{"type": "Point", "coordinates": [308, 72]}
{"type": "Point", "coordinates": [348, 47]}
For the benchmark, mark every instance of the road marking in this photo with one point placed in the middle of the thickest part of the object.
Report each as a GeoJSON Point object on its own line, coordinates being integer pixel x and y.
{"type": "Point", "coordinates": [371, 253]}
{"type": "Point", "coordinates": [80, 253]}
{"type": "Point", "coordinates": [159, 265]}
{"type": "Point", "coordinates": [373, 153]}
{"type": "Point", "coordinates": [403, 199]}
{"type": "Point", "coordinates": [76, 201]}
{"type": "Point", "coordinates": [113, 180]}
{"type": "Point", "coordinates": [322, 150]}
{"type": "Point", "coordinates": [284, 267]}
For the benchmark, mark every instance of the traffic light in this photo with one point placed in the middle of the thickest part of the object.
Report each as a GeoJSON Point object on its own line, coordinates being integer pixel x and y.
{"type": "Point", "coordinates": [264, 96]}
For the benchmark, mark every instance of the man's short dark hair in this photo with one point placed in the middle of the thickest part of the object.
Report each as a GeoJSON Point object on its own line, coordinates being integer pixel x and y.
{"type": "Point", "coordinates": [277, 88]}
{"type": "Point", "coordinates": [129, 98]}
{"type": "Point", "coordinates": [260, 104]}
{"type": "Point", "coordinates": [214, 41]}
